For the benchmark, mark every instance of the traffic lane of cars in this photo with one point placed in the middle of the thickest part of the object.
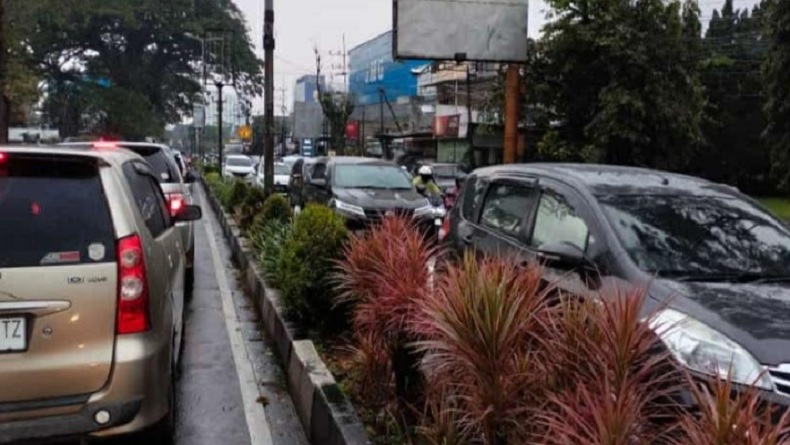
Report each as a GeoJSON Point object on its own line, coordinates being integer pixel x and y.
{"type": "Point", "coordinates": [720, 260]}
{"type": "Point", "coordinates": [211, 406]}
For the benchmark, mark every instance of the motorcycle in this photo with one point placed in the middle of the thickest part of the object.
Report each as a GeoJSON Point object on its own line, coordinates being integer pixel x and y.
{"type": "Point", "coordinates": [439, 213]}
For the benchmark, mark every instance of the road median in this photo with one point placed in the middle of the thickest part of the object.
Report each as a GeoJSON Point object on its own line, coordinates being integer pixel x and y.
{"type": "Point", "coordinates": [324, 411]}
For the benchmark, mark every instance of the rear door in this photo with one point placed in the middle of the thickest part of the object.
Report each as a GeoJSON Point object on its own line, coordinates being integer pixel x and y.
{"type": "Point", "coordinates": [164, 255]}
{"type": "Point", "coordinates": [58, 277]}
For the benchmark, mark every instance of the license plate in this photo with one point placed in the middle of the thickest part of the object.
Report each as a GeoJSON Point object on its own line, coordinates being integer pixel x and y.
{"type": "Point", "coordinates": [13, 334]}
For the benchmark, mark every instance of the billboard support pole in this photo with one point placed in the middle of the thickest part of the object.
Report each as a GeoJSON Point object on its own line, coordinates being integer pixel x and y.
{"type": "Point", "coordinates": [511, 114]}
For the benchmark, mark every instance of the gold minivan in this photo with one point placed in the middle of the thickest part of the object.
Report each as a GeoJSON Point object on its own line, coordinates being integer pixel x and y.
{"type": "Point", "coordinates": [91, 294]}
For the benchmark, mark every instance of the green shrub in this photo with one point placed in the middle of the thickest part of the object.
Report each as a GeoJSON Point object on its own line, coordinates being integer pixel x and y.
{"type": "Point", "coordinates": [251, 206]}
{"type": "Point", "coordinates": [306, 266]}
{"type": "Point", "coordinates": [276, 208]}
{"type": "Point", "coordinates": [210, 169]}
{"type": "Point", "coordinates": [236, 194]}
{"type": "Point", "coordinates": [269, 241]}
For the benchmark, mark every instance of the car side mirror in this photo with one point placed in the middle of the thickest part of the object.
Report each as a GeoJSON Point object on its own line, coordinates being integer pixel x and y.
{"type": "Point", "coordinates": [318, 182]}
{"type": "Point", "coordinates": [563, 255]}
{"type": "Point", "coordinates": [188, 213]}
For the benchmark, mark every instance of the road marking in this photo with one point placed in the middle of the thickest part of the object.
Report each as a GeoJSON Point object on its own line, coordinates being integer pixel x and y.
{"type": "Point", "coordinates": [253, 411]}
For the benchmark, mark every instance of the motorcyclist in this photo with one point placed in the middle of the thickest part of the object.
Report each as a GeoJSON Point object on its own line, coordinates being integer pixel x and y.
{"type": "Point", "coordinates": [425, 183]}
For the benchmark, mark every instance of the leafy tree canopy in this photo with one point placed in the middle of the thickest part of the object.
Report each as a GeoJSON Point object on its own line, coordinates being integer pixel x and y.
{"type": "Point", "coordinates": [619, 80]}
{"type": "Point", "coordinates": [777, 88]}
{"type": "Point", "coordinates": [149, 50]}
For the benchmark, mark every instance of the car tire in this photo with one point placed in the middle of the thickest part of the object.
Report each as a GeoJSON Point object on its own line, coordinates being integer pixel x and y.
{"type": "Point", "coordinates": [189, 275]}
{"type": "Point", "coordinates": [163, 433]}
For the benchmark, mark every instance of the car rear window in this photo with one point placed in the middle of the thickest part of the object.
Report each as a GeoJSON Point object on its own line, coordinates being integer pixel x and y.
{"type": "Point", "coordinates": [161, 166]}
{"type": "Point", "coordinates": [54, 212]}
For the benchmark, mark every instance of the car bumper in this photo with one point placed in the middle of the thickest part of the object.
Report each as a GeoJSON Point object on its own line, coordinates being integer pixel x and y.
{"type": "Point", "coordinates": [136, 397]}
{"type": "Point", "coordinates": [357, 223]}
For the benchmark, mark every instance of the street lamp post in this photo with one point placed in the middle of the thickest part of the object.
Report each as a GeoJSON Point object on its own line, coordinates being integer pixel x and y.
{"type": "Point", "coordinates": [219, 86]}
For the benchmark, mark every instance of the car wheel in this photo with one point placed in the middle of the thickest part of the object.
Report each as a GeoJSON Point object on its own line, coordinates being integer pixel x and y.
{"type": "Point", "coordinates": [163, 433]}
{"type": "Point", "coordinates": [189, 275]}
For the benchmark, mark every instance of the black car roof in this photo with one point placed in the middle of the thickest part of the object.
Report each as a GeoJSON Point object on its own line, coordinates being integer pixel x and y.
{"type": "Point", "coordinates": [612, 180]}
{"type": "Point", "coordinates": [357, 160]}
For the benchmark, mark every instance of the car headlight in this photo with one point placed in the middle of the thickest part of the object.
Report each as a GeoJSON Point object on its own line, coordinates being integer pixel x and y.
{"type": "Point", "coordinates": [349, 208]}
{"type": "Point", "coordinates": [703, 349]}
{"type": "Point", "coordinates": [424, 211]}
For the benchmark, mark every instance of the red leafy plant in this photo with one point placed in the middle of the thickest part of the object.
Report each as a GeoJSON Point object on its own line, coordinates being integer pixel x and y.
{"type": "Point", "coordinates": [483, 331]}
{"type": "Point", "coordinates": [612, 382]}
{"type": "Point", "coordinates": [384, 275]}
{"type": "Point", "coordinates": [723, 417]}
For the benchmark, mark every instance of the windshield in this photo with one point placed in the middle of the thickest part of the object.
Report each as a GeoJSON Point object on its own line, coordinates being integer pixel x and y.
{"type": "Point", "coordinates": [685, 235]}
{"type": "Point", "coordinates": [239, 162]}
{"type": "Point", "coordinates": [52, 208]}
{"type": "Point", "coordinates": [163, 168]}
{"type": "Point", "coordinates": [445, 171]}
{"type": "Point", "coordinates": [371, 176]}
{"type": "Point", "coordinates": [282, 169]}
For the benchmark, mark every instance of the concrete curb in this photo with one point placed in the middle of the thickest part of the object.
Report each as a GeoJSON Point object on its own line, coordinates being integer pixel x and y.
{"type": "Point", "coordinates": [325, 412]}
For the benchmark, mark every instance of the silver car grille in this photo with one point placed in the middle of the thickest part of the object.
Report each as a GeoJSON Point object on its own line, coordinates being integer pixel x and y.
{"type": "Point", "coordinates": [780, 375]}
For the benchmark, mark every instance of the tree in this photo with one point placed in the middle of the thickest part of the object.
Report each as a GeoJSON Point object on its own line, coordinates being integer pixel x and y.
{"type": "Point", "coordinates": [734, 51]}
{"type": "Point", "coordinates": [776, 71]}
{"type": "Point", "coordinates": [619, 80]}
{"type": "Point", "coordinates": [337, 107]}
{"type": "Point", "coordinates": [18, 82]}
{"type": "Point", "coordinates": [150, 51]}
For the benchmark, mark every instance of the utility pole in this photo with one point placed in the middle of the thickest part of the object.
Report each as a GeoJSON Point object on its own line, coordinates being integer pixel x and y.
{"type": "Point", "coordinates": [268, 47]}
{"type": "Point", "coordinates": [469, 135]}
{"type": "Point", "coordinates": [220, 146]}
{"type": "Point", "coordinates": [284, 110]}
{"type": "Point", "coordinates": [511, 114]}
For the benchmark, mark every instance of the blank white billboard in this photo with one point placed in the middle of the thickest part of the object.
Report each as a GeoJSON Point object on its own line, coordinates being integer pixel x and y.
{"type": "Point", "coordinates": [475, 30]}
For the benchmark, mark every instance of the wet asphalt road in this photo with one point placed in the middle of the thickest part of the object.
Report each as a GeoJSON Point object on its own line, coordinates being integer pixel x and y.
{"type": "Point", "coordinates": [216, 406]}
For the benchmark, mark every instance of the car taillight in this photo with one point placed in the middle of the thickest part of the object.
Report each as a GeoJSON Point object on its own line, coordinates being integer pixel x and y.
{"type": "Point", "coordinates": [105, 145]}
{"type": "Point", "coordinates": [2, 157]}
{"type": "Point", "coordinates": [445, 230]}
{"type": "Point", "coordinates": [134, 314]}
{"type": "Point", "coordinates": [175, 202]}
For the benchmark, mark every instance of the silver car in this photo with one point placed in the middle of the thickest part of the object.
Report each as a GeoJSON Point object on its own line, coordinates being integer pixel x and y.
{"type": "Point", "coordinates": [174, 185]}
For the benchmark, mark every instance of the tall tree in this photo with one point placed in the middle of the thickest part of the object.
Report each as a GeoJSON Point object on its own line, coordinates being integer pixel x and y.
{"type": "Point", "coordinates": [621, 82]}
{"type": "Point", "coordinates": [734, 51]}
{"type": "Point", "coordinates": [150, 51]}
{"type": "Point", "coordinates": [777, 89]}
{"type": "Point", "coordinates": [18, 82]}
{"type": "Point", "coordinates": [337, 108]}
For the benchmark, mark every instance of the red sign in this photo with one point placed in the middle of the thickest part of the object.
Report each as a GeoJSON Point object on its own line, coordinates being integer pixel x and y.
{"type": "Point", "coordinates": [352, 130]}
{"type": "Point", "coordinates": [447, 126]}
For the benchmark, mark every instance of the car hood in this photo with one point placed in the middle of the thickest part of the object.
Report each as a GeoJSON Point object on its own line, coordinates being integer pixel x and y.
{"type": "Point", "coordinates": [281, 179]}
{"type": "Point", "coordinates": [755, 316]}
{"type": "Point", "coordinates": [233, 169]}
{"type": "Point", "coordinates": [381, 199]}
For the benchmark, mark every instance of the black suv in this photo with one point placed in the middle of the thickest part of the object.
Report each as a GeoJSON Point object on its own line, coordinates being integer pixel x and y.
{"type": "Point", "coordinates": [713, 261]}
{"type": "Point", "coordinates": [360, 189]}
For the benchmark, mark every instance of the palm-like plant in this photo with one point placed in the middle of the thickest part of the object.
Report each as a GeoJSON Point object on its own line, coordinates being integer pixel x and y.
{"type": "Point", "coordinates": [725, 418]}
{"type": "Point", "coordinates": [384, 275]}
{"type": "Point", "coordinates": [612, 382]}
{"type": "Point", "coordinates": [484, 345]}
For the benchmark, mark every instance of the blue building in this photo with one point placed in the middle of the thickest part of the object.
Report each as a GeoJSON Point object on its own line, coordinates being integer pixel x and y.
{"type": "Point", "coordinates": [306, 88]}
{"type": "Point", "coordinates": [373, 68]}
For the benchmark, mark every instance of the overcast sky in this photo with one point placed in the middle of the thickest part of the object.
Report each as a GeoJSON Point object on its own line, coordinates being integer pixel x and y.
{"type": "Point", "coordinates": [301, 25]}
